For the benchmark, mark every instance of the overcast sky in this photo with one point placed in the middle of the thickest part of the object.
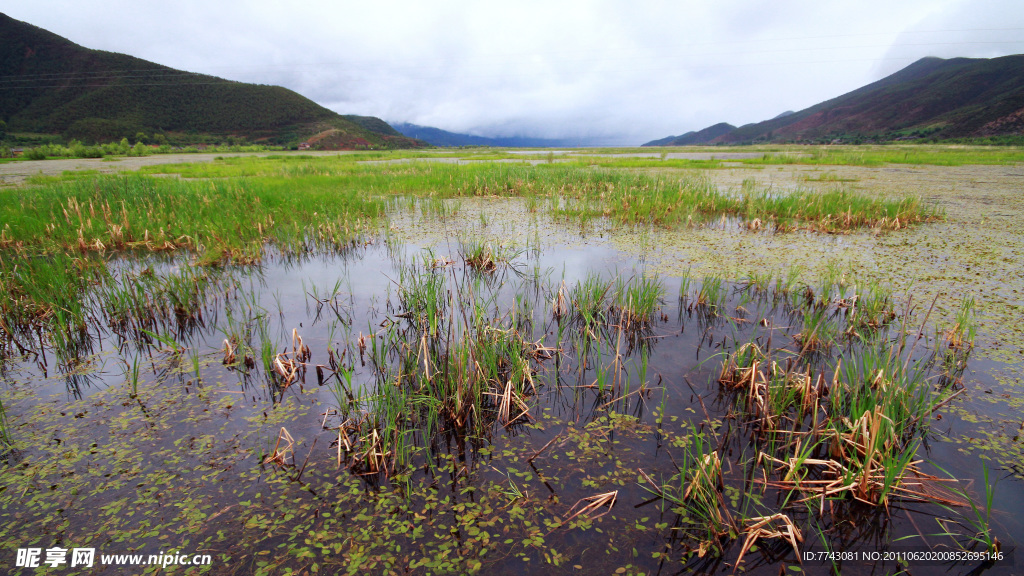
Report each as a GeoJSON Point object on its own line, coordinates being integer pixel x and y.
{"type": "Point", "coordinates": [625, 71]}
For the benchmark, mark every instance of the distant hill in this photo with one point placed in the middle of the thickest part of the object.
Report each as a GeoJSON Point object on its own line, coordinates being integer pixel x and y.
{"type": "Point", "coordinates": [695, 138]}
{"type": "Point", "coordinates": [933, 97]}
{"type": "Point", "coordinates": [438, 137]}
{"type": "Point", "coordinates": [667, 141]}
{"type": "Point", "coordinates": [51, 85]}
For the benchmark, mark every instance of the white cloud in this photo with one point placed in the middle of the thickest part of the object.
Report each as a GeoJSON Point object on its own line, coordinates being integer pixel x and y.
{"type": "Point", "coordinates": [630, 71]}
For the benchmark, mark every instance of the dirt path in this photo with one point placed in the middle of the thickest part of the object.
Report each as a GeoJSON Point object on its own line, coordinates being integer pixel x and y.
{"type": "Point", "coordinates": [15, 173]}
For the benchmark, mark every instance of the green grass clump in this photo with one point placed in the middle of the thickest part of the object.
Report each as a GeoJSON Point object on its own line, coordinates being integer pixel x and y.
{"type": "Point", "coordinates": [937, 155]}
{"type": "Point", "coordinates": [449, 367]}
{"type": "Point", "coordinates": [876, 378]}
{"type": "Point", "coordinates": [819, 330]}
{"type": "Point", "coordinates": [590, 299]}
{"type": "Point", "coordinates": [423, 298]}
{"type": "Point", "coordinates": [638, 297]}
{"type": "Point", "coordinates": [712, 293]}
{"type": "Point", "coordinates": [217, 218]}
{"type": "Point", "coordinates": [132, 301]}
{"type": "Point", "coordinates": [485, 256]}
{"type": "Point", "coordinates": [44, 295]}
{"type": "Point", "coordinates": [956, 344]}
{"type": "Point", "coordinates": [695, 492]}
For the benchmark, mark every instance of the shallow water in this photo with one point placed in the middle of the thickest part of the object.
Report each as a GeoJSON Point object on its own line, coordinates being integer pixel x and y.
{"type": "Point", "coordinates": [185, 448]}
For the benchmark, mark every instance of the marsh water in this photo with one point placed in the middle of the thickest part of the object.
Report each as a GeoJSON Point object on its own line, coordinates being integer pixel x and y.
{"type": "Point", "coordinates": [147, 437]}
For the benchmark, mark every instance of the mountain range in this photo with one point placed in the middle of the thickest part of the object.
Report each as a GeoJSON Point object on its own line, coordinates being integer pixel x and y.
{"type": "Point", "coordinates": [932, 98]}
{"type": "Point", "coordinates": [439, 137]}
{"type": "Point", "coordinates": [50, 85]}
{"type": "Point", "coordinates": [692, 138]}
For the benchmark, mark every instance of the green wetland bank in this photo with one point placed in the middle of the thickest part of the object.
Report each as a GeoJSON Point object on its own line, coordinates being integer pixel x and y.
{"type": "Point", "coordinates": [783, 360]}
